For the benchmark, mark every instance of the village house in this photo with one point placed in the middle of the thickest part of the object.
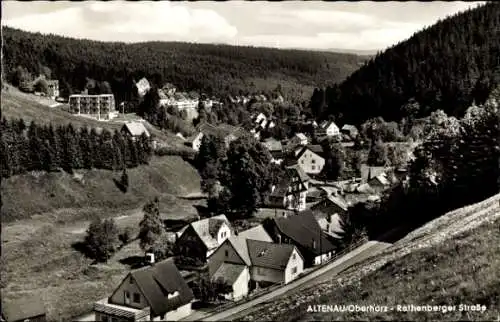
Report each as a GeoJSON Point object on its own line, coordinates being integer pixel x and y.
{"type": "Point", "coordinates": [227, 132]}
{"type": "Point", "coordinates": [134, 130]}
{"type": "Point", "coordinates": [291, 192]}
{"type": "Point", "coordinates": [299, 139]}
{"type": "Point", "coordinates": [350, 132]}
{"type": "Point", "coordinates": [310, 159]}
{"type": "Point", "coordinates": [303, 231]}
{"type": "Point", "coordinates": [251, 258]}
{"type": "Point", "coordinates": [153, 293]}
{"type": "Point", "coordinates": [143, 86]}
{"type": "Point", "coordinates": [275, 149]}
{"type": "Point", "coordinates": [198, 240]}
{"type": "Point", "coordinates": [328, 128]}
{"type": "Point", "coordinates": [328, 213]}
{"type": "Point", "coordinates": [26, 309]}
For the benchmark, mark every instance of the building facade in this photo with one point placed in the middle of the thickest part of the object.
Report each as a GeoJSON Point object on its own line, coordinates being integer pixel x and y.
{"type": "Point", "coordinates": [100, 107]}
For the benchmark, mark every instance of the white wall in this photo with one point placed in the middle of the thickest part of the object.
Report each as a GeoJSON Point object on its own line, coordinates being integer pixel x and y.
{"type": "Point", "coordinates": [306, 162]}
{"type": "Point", "coordinates": [240, 287]}
{"type": "Point", "coordinates": [297, 262]}
{"type": "Point", "coordinates": [261, 274]}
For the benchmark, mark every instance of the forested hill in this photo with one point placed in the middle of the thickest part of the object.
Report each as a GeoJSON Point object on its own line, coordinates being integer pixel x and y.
{"type": "Point", "coordinates": [446, 66]}
{"type": "Point", "coordinates": [218, 68]}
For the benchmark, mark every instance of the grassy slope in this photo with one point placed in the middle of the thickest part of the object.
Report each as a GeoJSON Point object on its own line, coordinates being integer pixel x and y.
{"type": "Point", "coordinates": [37, 253]}
{"type": "Point", "coordinates": [421, 269]}
{"type": "Point", "coordinates": [36, 193]}
{"type": "Point", "coordinates": [16, 104]}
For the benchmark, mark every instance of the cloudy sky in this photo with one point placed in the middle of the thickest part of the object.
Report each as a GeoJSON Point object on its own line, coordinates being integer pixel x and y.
{"type": "Point", "coordinates": [290, 24]}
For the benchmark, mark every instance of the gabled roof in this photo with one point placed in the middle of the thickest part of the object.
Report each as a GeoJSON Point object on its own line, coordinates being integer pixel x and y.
{"type": "Point", "coordinates": [329, 206]}
{"type": "Point", "coordinates": [136, 128]}
{"type": "Point", "coordinates": [268, 254]}
{"type": "Point", "coordinates": [272, 145]}
{"type": "Point", "coordinates": [159, 280]}
{"type": "Point", "coordinates": [255, 233]}
{"type": "Point", "coordinates": [316, 149]}
{"type": "Point", "coordinates": [301, 136]}
{"type": "Point", "coordinates": [382, 179]}
{"type": "Point", "coordinates": [349, 127]}
{"type": "Point", "coordinates": [303, 229]}
{"type": "Point", "coordinates": [228, 272]}
{"type": "Point", "coordinates": [239, 242]}
{"type": "Point", "coordinates": [281, 189]}
{"type": "Point", "coordinates": [302, 175]}
{"type": "Point", "coordinates": [327, 124]}
{"type": "Point", "coordinates": [21, 309]}
{"type": "Point", "coordinates": [369, 172]}
{"type": "Point", "coordinates": [207, 229]}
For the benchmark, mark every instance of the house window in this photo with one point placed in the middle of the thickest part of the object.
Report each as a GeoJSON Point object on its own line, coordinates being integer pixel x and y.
{"type": "Point", "coordinates": [226, 252]}
{"type": "Point", "coordinates": [137, 298]}
{"type": "Point", "coordinates": [127, 297]}
{"type": "Point", "coordinates": [294, 270]}
{"type": "Point", "coordinates": [313, 167]}
{"type": "Point", "coordinates": [302, 161]}
{"type": "Point", "coordinates": [313, 161]}
{"type": "Point", "coordinates": [294, 256]}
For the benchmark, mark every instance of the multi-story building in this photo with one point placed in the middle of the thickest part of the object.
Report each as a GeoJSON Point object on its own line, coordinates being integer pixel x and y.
{"type": "Point", "coordinates": [53, 88]}
{"type": "Point", "coordinates": [101, 107]}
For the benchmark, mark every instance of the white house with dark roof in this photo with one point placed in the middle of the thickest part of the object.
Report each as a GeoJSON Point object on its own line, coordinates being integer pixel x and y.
{"type": "Point", "coordinates": [329, 128]}
{"type": "Point", "coordinates": [291, 191]}
{"type": "Point", "coordinates": [154, 293]}
{"type": "Point", "coordinates": [299, 139]}
{"type": "Point", "coordinates": [310, 158]}
{"type": "Point", "coordinates": [134, 130]}
{"type": "Point", "coordinates": [252, 256]}
{"type": "Point", "coordinates": [200, 239]}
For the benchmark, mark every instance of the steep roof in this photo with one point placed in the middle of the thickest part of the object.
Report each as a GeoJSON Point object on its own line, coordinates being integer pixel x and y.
{"type": "Point", "coordinates": [301, 136]}
{"type": "Point", "coordinates": [272, 144]}
{"type": "Point", "coordinates": [136, 128]}
{"type": "Point", "coordinates": [281, 189]}
{"type": "Point", "coordinates": [268, 254]}
{"type": "Point", "coordinates": [369, 172]}
{"type": "Point", "coordinates": [159, 280]}
{"type": "Point", "coordinates": [329, 206]}
{"type": "Point", "coordinates": [239, 241]}
{"type": "Point", "coordinates": [228, 272]}
{"type": "Point", "coordinates": [207, 229]}
{"type": "Point", "coordinates": [303, 229]}
{"type": "Point", "coordinates": [327, 124]}
{"type": "Point", "coordinates": [256, 233]}
{"type": "Point", "coordinates": [315, 148]}
{"type": "Point", "coordinates": [222, 130]}
{"type": "Point", "coordinates": [302, 175]}
{"type": "Point", "coordinates": [21, 309]}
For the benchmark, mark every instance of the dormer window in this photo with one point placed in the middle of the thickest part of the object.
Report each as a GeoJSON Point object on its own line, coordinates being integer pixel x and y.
{"type": "Point", "coordinates": [176, 293]}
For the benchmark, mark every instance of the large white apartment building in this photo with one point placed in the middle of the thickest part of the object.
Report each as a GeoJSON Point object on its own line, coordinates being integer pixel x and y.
{"type": "Point", "coordinates": [100, 107]}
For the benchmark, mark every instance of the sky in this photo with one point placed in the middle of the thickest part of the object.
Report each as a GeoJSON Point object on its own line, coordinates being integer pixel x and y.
{"type": "Point", "coordinates": [358, 26]}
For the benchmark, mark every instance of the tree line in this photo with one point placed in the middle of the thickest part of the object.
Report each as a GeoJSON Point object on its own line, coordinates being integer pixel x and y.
{"type": "Point", "coordinates": [447, 66]}
{"type": "Point", "coordinates": [458, 164]}
{"type": "Point", "coordinates": [35, 147]}
{"type": "Point", "coordinates": [214, 69]}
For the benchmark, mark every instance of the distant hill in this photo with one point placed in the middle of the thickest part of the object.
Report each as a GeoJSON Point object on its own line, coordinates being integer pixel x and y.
{"type": "Point", "coordinates": [219, 69]}
{"type": "Point", "coordinates": [446, 66]}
